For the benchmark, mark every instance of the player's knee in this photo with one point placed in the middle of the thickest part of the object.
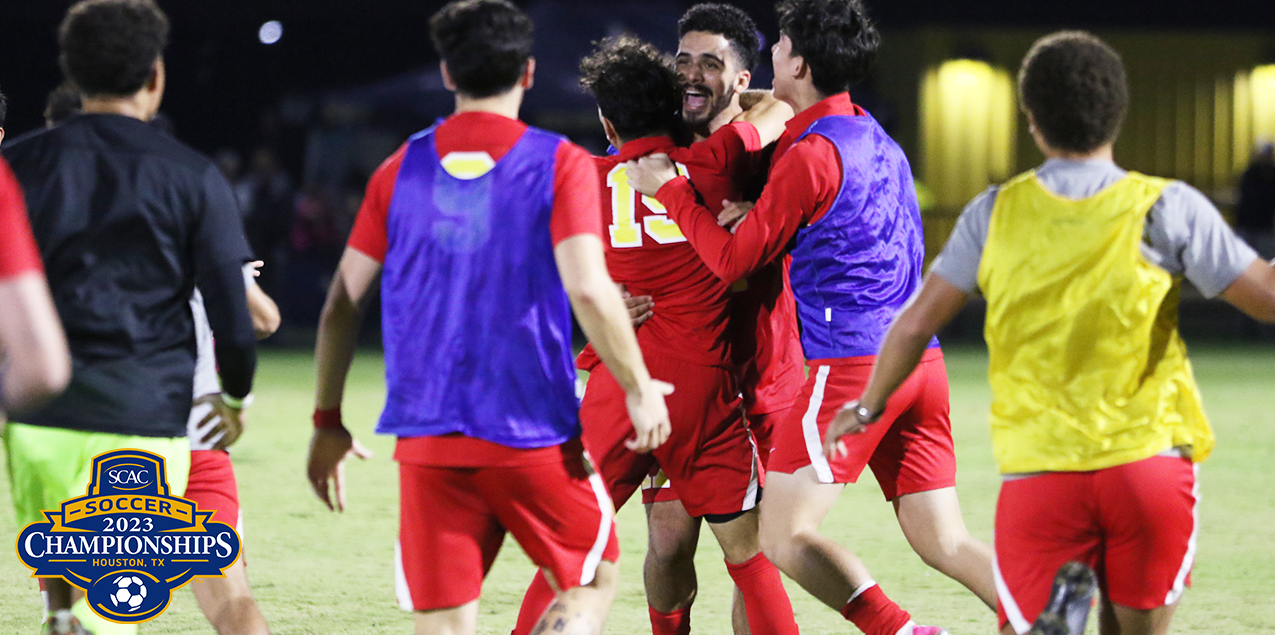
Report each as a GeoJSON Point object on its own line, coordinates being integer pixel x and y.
{"type": "Point", "coordinates": [671, 547]}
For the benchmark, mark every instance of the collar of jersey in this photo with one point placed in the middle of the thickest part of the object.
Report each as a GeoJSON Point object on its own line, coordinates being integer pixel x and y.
{"type": "Point", "coordinates": [638, 148]}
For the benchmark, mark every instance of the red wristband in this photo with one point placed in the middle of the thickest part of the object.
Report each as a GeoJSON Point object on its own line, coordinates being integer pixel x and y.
{"type": "Point", "coordinates": [328, 419]}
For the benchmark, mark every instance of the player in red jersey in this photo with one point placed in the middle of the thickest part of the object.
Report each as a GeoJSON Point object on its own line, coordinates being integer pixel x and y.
{"type": "Point", "coordinates": [710, 459]}
{"type": "Point", "coordinates": [484, 235]}
{"type": "Point", "coordinates": [717, 51]}
{"type": "Point", "coordinates": [34, 362]}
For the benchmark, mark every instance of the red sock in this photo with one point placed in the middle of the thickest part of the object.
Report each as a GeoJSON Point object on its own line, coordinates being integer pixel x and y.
{"type": "Point", "coordinates": [538, 599]}
{"type": "Point", "coordinates": [672, 623]}
{"type": "Point", "coordinates": [874, 613]}
{"type": "Point", "coordinates": [765, 600]}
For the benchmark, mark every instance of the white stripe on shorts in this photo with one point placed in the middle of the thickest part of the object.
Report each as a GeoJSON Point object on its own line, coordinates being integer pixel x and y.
{"type": "Point", "coordinates": [1179, 583]}
{"type": "Point", "coordinates": [754, 481]}
{"type": "Point", "coordinates": [1015, 614]}
{"type": "Point", "coordinates": [401, 590]}
{"type": "Point", "coordinates": [594, 558]}
{"type": "Point", "coordinates": [810, 427]}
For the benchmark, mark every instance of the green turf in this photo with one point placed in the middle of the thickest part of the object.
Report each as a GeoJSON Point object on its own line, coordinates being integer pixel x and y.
{"type": "Point", "coordinates": [318, 572]}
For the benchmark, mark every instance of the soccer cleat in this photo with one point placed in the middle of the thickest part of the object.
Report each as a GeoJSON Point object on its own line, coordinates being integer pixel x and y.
{"type": "Point", "coordinates": [1069, 602]}
{"type": "Point", "coordinates": [64, 623]}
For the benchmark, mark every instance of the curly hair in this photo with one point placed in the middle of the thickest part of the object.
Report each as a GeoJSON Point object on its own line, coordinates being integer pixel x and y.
{"type": "Point", "coordinates": [635, 86]}
{"type": "Point", "coordinates": [729, 22]}
{"type": "Point", "coordinates": [1075, 88]}
{"type": "Point", "coordinates": [109, 47]}
{"type": "Point", "coordinates": [485, 43]}
{"type": "Point", "coordinates": [834, 37]}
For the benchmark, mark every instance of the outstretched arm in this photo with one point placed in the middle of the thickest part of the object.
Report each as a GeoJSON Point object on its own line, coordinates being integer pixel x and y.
{"type": "Point", "coordinates": [933, 306]}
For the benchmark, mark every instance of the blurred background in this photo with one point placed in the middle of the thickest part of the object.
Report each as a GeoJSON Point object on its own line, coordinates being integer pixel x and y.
{"type": "Point", "coordinates": [299, 101]}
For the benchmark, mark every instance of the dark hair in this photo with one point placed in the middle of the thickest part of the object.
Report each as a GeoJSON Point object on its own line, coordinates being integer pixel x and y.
{"type": "Point", "coordinates": [834, 37]}
{"type": "Point", "coordinates": [4, 108]}
{"type": "Point", "coordinates": [635, 86]}
{"type": "Point", "coordinates": [485, 43]}
{"type": "Point", "coordinates": [110, 46]}
{"type": "Point", "coordinates": [62, 103]}
{"type": "Point", "coordinates": [729, 22]}
{"type": "Point", "coordinates": [1075, 88]}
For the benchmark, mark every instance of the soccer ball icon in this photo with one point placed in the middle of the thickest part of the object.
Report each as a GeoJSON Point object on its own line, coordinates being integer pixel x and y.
{"type": "Point", "coordinates": [130, 592]}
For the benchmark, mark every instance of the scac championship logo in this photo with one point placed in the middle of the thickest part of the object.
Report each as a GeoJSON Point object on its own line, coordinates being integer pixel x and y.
{"type": "Point", "coordinates": [128, 542]}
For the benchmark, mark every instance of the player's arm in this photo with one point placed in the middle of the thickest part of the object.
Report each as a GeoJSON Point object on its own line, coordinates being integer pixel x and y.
{"type": "Point", "coordinates": [605, 321]}
{"type": "Point", "coordinates": [339, 327]}
{"type": "Point", "coordinates": [262, 308]}
{"type": "Point", "coordinates": [936, 304]}
{"type": "Point", "coordinates": [220, 250]}
{"type": "Point", "coordinates": [767, 114]}
{"type": "Point", "coordinates": [1254, 291]}
{"type": "Point", "coordinates": [797, 189]}
{"type": "Point", "coordinates": [34, 362]}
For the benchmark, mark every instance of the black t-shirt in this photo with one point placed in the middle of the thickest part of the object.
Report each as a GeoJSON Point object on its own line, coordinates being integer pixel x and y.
{"type": "Point", "coordinates": [128, 221]}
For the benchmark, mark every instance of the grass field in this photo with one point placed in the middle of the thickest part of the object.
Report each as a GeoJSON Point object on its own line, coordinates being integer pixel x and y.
{"type": "Point", "coordinates": [318, 572]}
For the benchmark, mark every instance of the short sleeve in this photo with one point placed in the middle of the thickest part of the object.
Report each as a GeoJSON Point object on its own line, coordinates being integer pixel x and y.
{"type": "Point", "coordinates": [1188, 236]}
{"type": "Point", "coordinates": [963, 254]}
{"type": "Point", "coordinates": [576, 195]}
{"type": "Point", "coordinates": [370, 235]}
{"type": "Point", "coordinates": [18, 251]}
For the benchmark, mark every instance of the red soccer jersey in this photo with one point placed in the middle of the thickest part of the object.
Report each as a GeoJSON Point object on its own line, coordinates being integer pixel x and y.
{"type": "Point", "coordinates": [575, 196]}
{"type": "Point", "coordinates": [647, 253]}
{"type": "Point", "coordinates": [18, 251]}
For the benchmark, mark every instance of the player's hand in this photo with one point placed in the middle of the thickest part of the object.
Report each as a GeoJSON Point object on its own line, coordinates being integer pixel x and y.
{"type": "Point", "coordinates": [846, 422]}
{"type": "Point", "coordinates": [733, 213]}
{"type": "Point", "coordinates": [229, 421]}
{"type": "Point", "coordinates": [329, 448]}
{"type": "Point", "coordinates": [256, 267]}
{"type": "Point", "coordinates": [649, 415]}
{"type": "Point", "coordinates": [648, 174]}
{"type": "Point", "coordinates": [641, 307]}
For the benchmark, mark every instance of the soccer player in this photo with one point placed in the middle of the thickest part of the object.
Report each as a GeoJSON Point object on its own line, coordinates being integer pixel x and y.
{"type": "Point", "coordinates": [710, 459]}
{"type": "Point", "coordinates": [34, 362]}
{"type": "Point", "coordinates": [128, 221]}
{"type": "Point", "coordinates": [840, 196]}
{"type": "Point", "coordinates": [480, 230]}
{"type": "Point", "coordinates": [1097, 424]}
{"type": "Point", "coordinates": [226, 602]}
{"type": "Point", "coordinates": [718, 48]}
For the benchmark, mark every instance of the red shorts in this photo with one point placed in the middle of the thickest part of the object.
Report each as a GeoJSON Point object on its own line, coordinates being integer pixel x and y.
{"type": "Point", "coordinates": [212, 486]}
{"type": "Point", "coordinates": [1135, 524]}
{"type": "Point", "coordinates": [709, 457]}
{"type": "Point", "coordinates": [453, 520]}
{"type": "Point", "coordinates": [910, 449]}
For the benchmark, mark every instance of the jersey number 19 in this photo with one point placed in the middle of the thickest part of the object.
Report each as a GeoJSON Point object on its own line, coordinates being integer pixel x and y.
{"type": "Point", "coordinates": [624, 226]}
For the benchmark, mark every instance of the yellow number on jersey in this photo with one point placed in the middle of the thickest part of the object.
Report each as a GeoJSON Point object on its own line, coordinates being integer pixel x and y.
{"type": "Point", "coordinates": [623, 228]}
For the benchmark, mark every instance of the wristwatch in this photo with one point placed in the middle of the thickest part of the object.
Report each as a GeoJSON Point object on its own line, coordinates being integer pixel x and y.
{"type": "Point", "coordinates": [864, 414]}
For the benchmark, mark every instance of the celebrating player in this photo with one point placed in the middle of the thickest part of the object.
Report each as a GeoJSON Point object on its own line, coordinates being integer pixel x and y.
{"type": "Point", "coordinates": [1096, 417]}
{"type": "Point", "coordinates": [710, 460]}
{"type": "Point", "coordinates": [841, 192]}
{"type": "Point", "coordinates": [717, 52]}
{"type": "Point", "coordinates": [122, 253]}
{"type": "Point", "coordinates": [485, 228]}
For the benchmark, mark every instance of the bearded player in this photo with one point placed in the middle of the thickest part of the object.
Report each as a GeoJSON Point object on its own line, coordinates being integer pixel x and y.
{"type": "Point", "coordinates": [710, 459]}
{"type": "Point", "coordinates": [718, 49]}
{"type": "Point", "coordinates": [484, 234]}
{"type": "Point", "coordinates": [840, 199]}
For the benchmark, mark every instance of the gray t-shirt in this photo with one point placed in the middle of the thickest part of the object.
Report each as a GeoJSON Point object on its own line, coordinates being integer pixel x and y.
{"type": "Point", "coordinates": [1184, 233]}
